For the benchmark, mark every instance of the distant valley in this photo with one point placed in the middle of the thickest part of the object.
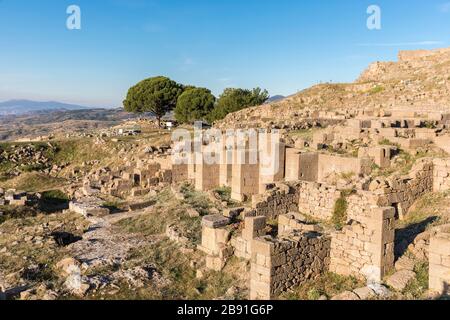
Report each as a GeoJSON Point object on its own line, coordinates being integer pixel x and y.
{"type": "Point", "coordinates": [58, 121]}
{"type": "Point", "coordinates": [17, 107]}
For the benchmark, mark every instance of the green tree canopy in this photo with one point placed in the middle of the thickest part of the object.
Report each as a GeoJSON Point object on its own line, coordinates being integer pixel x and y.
{"type": "Point", "coordinates": [158, 95]}
{"type": "Point", "coordinates": [233, 100]}
{"type": "Point", "coordinates": [194, 104]}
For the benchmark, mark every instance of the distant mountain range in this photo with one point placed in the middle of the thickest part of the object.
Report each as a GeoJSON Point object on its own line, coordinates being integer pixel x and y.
{"type": "Point", "coordinates": [275, 98]}
{"type": "Point", "coordinates": [15, 107]}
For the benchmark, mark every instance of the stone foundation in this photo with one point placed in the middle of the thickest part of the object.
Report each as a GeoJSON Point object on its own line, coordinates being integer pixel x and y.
{"type": "Point", "coordinates": [439, 255]}
{"type": "Point", "coordinates": [365, 247]}
{"type": "Point", "coordinates": [281, 264]}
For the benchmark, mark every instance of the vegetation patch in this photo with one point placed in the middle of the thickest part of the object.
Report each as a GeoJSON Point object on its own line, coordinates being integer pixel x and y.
{"type": "Point", "coordinates": [417, 288]}
{"type": "Point", "coordinates": [328, 285]}
{"type": "Point", "coordinates": [340, 211]}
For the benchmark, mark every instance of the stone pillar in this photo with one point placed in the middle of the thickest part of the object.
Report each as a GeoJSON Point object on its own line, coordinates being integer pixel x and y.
{"type": "Point", "coordinates": [301, 166]}
{"type": "Point", "coordinates": [261, 269]}
{"type": "Point", "coordinates": [245, 175]}
{"type": "Point", "coordinates": [226, 159]}
{"type": "Point", "coordinates": [440, 261]}
{"type": "Point", "coordinates": [254, 228]}
{"type": "Point", "coordinates": [381, 222]}
{"type": "Point", "coordinates": [207, 169]}
{"type": "Point", "coordinates": [272, 155]}
{"type": "Point", "coordinates": [215, 240]}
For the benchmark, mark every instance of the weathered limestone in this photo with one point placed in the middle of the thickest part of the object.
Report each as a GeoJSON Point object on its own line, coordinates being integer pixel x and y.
{"type": "Point", "coordinates": [294, 221]}
{"type": "Point", "coordinates": [280, 264]}
{"type": "Point", "coordinates": [365, 247]}
{"type": "Point", "coordinates": [207, 169]}
{"type": "Point", "coordinates": [226, 160]}
{"type": "Point", "coordinates": [400, 279]}
{"type": "Point", "coordinates": [254, 227]}
{"type": "Point", "coordinates": [301, 166]}
{"type": "Point", "coordinates": [88, 207]}
{"type": "Point", "coordinates": [215, 241]}
{"type": "Point", "coordinates": [441, 175]}
{"type": "Point", "coordinates": [439, 255]}
{"type": "Point", "coordinates": [381, 155]}
{"type": "Point", "coordinates": [280, 200]}
{"type": "Point", "coordinates": [245, 176]}
{"type": "Point", "coordinates": [317, 200]}
{"type": "Point", "coordinates": [330, 164]}
{"type": "Point", "coordinates": [13, 197]}
{"type": "Point", "coordinates": [272, 154]}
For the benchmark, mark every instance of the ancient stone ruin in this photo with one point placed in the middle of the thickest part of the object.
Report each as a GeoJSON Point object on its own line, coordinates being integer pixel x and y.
{"type": "Point", "coordinates": [303, 191]}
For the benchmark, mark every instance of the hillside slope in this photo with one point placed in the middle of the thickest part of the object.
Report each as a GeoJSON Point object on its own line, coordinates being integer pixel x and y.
{"type": "Point", "coordinates": [418, 80]}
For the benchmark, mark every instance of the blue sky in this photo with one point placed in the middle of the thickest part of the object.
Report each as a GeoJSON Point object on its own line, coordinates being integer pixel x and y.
{"type": "Point", "coordinates": [281, 45]}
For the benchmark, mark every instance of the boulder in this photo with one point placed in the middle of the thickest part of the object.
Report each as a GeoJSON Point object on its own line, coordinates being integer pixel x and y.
{"type": "Point", "coordinates": [400, 279]}
{"type": "Point", "coordinates": [215, 221]}
{"type": "Point", "coordinates": [364, 293]}
{"type": "Point", "coordinates": [405, 263]}
{"type": "Point", "coordinates": [346, 295]}
{"type": "Point", "coordinates": [67, 265]}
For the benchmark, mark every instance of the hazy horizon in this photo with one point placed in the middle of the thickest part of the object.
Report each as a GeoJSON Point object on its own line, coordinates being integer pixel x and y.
{"type": "Point", "coordinates": [282, 46]}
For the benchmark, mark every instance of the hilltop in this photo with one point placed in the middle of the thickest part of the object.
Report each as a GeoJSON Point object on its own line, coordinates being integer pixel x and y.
{"type": "Point", "coordinates": [418, 80]}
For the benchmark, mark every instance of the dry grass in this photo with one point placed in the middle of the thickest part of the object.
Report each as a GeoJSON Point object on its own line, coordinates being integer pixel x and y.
{"type": "Point", "coordinates": [328, 284]}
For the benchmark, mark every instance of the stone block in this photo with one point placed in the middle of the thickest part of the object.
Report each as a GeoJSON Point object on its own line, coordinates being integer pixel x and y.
{"type": "Point", "coordinates": [215, 221]}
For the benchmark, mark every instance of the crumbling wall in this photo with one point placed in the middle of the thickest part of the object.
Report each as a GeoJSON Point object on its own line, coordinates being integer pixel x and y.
{"type": "Point", "coordinates": [317, 199]}
{"type": "Point", "coordinates": [216, 241]}
{"type": "Point", "coordinates": [441, 175]}
{"type": "Point", "coordinates": [254, 227]}
{"type": "Point", "coordinates": [281, 264]}
{"type": "Point", "coordinates": [439, 256]}
{"type": "Point", "coordinates": [403, 192]}
{"type": "Point", "coordinates": [330, 164]}
{"type": "Point", "coordinates": [360, 203]}
{"type": "Point", "coordinates": [301, 166]}
{"type": "Point", "coordinates": [365, 247]}
{"type": "Point", "coordinates": [280, 200]}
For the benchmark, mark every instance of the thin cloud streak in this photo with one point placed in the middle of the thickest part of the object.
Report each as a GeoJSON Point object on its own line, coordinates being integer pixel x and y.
{"type": "Point", "coordinates": [402, 44]}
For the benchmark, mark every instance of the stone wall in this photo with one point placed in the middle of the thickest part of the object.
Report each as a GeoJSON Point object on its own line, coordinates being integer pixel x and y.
{"type": "Point", "coordinates": [441, 175]}
{"type": "Point", "coordinates": [403, 192]}
{"type": "Point", "coordinates": [439, 255]}
{"type": "Point", "coordinates": [280, 200]}
{"type": "Point", "coordinates": [330, 164]}
{"type": "Point", "coordinates": [245, 177]}
{"type": "Point", "coordinates": [300, 165]}
{"type": "Point", "coordinates": [317, 199]}
{"type": "Point", "coordinates": [365, 247]}
{"type": "Point", "coordinates": [360, 203]}
{"type": "Point", "coordinates": [216, 241]}
{"type": "Point", "coordinates": [254, 227]}
{"type": "Point", "coordinates": [281, 264]}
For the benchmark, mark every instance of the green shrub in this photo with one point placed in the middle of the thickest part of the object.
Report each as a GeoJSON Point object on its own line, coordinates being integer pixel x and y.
{"type": "Point", "coordinates": [376, 90]}
{"type": "Point", "coordinates": [340, 212]}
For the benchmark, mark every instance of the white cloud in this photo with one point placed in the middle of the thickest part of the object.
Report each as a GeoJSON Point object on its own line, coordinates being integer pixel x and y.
{"type": "Point", "coordinates": [402, 44]}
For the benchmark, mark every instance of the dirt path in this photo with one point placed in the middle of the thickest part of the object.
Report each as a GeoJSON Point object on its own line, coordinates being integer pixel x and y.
{"type": "Point", "coordinates": [104, 244]}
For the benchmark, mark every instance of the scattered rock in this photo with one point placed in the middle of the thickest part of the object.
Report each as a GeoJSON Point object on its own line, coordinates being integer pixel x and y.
{"type": "Point", "coordinates": [380, 290]}
{"type": "Point", "coordinates": [364, 293]}
{"type": "Point", "coordinates": [405, 263]}
{"type": "Point", "coordinates": [346, 295]}
{"type": "Point", "coordinates": [400, 279]}
{"type": "Point", "coordinates": [192, 213]}
{"type": "Point", "coordinates": [215, 221]}
{"type": "Point", "coordinates": [67, 265]}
